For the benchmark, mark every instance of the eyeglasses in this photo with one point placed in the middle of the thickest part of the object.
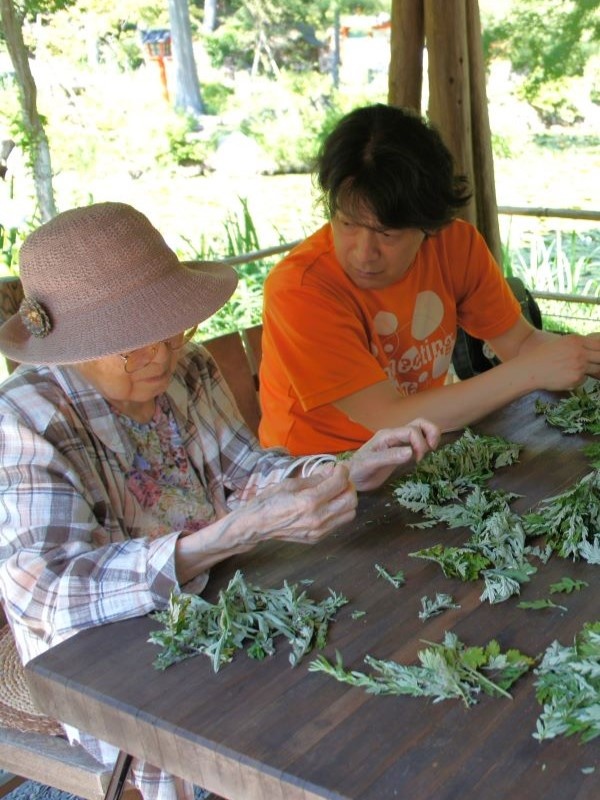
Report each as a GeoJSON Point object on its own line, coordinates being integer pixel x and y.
{"type": "Point", "coordinates": [140, 358]}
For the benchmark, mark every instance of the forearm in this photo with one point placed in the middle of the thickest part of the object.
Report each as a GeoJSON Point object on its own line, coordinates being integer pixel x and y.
{"type": "Point", "coordinates": [462, 403]}
{"type": "Point", "coordinates": [449, 407]}
{"type": "Point", "coordinates": [200, 550]}
{"type": "Point", "coordinates": [531, 342]}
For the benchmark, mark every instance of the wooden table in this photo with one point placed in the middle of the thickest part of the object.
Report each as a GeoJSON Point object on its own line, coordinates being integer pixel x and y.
{"type": "Point", "coordinates": [266, 731]}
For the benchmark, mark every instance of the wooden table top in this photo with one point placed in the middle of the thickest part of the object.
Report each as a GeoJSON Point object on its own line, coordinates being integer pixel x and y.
{"type": "Point", "coordinates": [267, 731]}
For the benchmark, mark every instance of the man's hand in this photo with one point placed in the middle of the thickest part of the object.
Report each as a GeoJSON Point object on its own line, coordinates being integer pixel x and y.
{"type": "Point", "coordinates": [389, 448]}
{"type": "Point", "coordinates": [563, 362]}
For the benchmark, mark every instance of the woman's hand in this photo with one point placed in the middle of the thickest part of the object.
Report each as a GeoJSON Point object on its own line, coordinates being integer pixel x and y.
{"type": "Point", "coordinates": [307, 509]}
{"type": "Point", "coordinates": [295, 510]}
{"type": "Point", "coordinates": [389, 448]}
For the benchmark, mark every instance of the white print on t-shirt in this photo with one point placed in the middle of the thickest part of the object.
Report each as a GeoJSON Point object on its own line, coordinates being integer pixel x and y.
{"type": "Point", "coordinates": [425, 358]}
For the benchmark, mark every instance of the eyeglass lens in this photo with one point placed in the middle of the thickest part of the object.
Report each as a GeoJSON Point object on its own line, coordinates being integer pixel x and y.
{"type": "Point", "coordinates": [140, 358]}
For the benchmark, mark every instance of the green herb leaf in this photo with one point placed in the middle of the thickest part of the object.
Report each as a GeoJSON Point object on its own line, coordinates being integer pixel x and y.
{"type": "Point", "coordinates": [570, 521]}
{"type": "Point", "coordinates": [441, 602]}
{"type": "Point", "coordinates": [592, 451]}
{"type": "Point", "coordinates": [396, 580]}
{"type": "Point", "coordinates": [567, 585]}
{"type": "Point", "coordinates": [577, 413]}
{"type": "Point", "coordinates": [452, 469]}
{"type": "Point", "coordinates": [456, 562]}
{"type": "Point", "coordinates": [537, 605]}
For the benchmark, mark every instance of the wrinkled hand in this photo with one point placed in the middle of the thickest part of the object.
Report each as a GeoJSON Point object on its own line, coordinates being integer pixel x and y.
{"type": "Point", "coordinates": [389, 448]}
{"type": "Point", "coordinates": [307, 509]}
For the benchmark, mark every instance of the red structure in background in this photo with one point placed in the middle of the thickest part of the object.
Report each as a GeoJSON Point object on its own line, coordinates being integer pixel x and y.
{"type": "Point", "coordinates": [158, 47]}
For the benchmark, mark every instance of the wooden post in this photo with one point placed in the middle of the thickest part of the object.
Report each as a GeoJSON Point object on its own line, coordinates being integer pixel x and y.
{"type": "Point", "coordinates": [163, 77]}
{"type": "Point", "coordinates": [407, 42]}
{"type": "Point", "coordinates": [484, 180]}
{"type": "Point", "coordinates": [458, 104]}
{"type": "Point", "coordinates": [449, 92]}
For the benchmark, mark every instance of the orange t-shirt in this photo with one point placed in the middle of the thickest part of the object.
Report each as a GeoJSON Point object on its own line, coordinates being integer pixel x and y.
{"type": "Point", "coordinates": [324, 338]}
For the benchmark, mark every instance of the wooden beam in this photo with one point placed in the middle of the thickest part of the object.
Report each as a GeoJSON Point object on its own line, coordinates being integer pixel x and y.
{"type": "Point", "coordinates": [407, 44]}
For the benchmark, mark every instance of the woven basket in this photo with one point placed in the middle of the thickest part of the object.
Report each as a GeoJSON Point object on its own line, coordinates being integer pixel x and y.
{"type": "Point", "coordinates": [17, 709]}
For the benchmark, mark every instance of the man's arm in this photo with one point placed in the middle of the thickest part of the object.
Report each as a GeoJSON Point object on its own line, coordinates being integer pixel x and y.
{"type": "Point", "coordinates": [533, 360]}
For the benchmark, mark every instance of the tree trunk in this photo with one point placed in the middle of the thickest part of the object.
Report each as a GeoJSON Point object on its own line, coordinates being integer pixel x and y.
{"type": "Point", "coordinates": [407, 43]}
{"type": "Point", "coordinates": [335, 47]}
{"type": "Point", "coordinates": [210, 16]}
{"type": "Point", "coordinates": [35, 135]}
{"type": "Point", "coordinates": [187, 86]}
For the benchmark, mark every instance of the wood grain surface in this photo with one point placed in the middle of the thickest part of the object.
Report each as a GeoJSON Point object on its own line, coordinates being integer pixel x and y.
{"type": "Point", "coordinates": [267, 731]}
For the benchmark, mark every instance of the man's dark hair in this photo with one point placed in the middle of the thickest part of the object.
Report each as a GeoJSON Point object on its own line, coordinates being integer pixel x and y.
{"type": "Point", "coordinates": [391, 162]}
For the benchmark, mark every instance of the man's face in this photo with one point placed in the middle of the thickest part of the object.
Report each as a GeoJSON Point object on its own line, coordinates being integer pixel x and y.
{"type": "Point", "coordinates": [373, 257]}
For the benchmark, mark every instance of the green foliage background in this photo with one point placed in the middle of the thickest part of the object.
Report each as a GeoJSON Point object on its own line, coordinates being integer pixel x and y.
{"type": "Point", "coordinates": [112, 135]}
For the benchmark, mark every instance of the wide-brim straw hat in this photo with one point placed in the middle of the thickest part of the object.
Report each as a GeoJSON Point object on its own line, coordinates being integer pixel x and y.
{"type": "Point", "coordinates": [101, 280]}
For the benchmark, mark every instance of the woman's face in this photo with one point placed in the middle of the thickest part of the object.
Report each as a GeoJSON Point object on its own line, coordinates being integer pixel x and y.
{"type": "Point", "coordinates": [132, 394]}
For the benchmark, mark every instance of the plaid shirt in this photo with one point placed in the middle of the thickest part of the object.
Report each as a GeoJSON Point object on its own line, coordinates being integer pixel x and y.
{"type": "Point", "coordinates": [74, 550]}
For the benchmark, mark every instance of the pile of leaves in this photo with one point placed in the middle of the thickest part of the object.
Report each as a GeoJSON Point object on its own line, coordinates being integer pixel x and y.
{"type": "Point", "coordinates": [568, 687]}
{"type": "Point", "coordinates": [570, 521]}
{"type": "Point", "coordinates": [244, 615]}
{"type": "Point", "coordinates": [448, 486]}
{"type": "Point", "coordinates": [577, 413]}
{"type": "Point", "coordinates": [453, 469]}
{"type": "Point", "coordinates": [497, 553]}
{"type": "Point", "coordinates": [447, 670]}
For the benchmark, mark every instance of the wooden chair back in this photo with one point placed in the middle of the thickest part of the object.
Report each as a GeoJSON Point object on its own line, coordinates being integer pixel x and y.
{"type": "Point", "coordinates": [238, 357]}
{"type": "Point", "coordinates": [11, 294]}
{"type": "Point", "coordinates": [252, 338]}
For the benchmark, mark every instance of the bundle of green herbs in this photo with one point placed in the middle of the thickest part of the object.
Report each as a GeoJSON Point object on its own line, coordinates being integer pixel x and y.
{"type": "Point", "coordinates": [448, 486]}
{"type": "Point", "coordinates": [244, 615]}
{"type": "Point", "coordinates": [447, 670]}
{"type": "Point", "coordinates": [453, 469]}
{"type": "Point", "coordinates": [577, 413]}
{"type": "Point", "coordinates": [570, 521]}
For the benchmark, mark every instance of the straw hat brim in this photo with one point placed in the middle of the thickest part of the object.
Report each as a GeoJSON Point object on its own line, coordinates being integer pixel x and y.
{"type": "Point", "coordinates": [154, 312]}
{"type": "Point", "coordinates": [17, 709]}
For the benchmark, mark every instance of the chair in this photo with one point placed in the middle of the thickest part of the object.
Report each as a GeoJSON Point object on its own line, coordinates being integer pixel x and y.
{"type": "Point", "coordinates": [238, 357]}
{"type": "Point", "coordinates": [11, 294]}
{"type": "Point", "coordinates": [252, 338]}
{"type": "Point", "coordinates": [33, 746]}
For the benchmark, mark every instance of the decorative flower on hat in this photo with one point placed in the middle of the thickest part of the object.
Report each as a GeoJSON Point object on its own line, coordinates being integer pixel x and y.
{"type": "Point", "coordinates": [35, 318]}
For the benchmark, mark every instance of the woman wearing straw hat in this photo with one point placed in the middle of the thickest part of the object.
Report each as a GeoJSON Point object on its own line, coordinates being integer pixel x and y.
{"type": "Point", "coordinates": [126, 470]}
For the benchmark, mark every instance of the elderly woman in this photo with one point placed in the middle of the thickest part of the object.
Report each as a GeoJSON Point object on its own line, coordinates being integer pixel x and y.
{"type": "Point", "coordinates": [126, 470]}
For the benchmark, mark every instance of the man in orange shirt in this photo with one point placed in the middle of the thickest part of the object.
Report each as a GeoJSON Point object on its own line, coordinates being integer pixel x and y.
{"type": "Point", "coordinates": [360, 319]}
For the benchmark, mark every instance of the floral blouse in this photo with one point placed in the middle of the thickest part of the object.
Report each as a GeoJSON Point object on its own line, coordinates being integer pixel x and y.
{"type": "Point", "coordinates": [162, 478]}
